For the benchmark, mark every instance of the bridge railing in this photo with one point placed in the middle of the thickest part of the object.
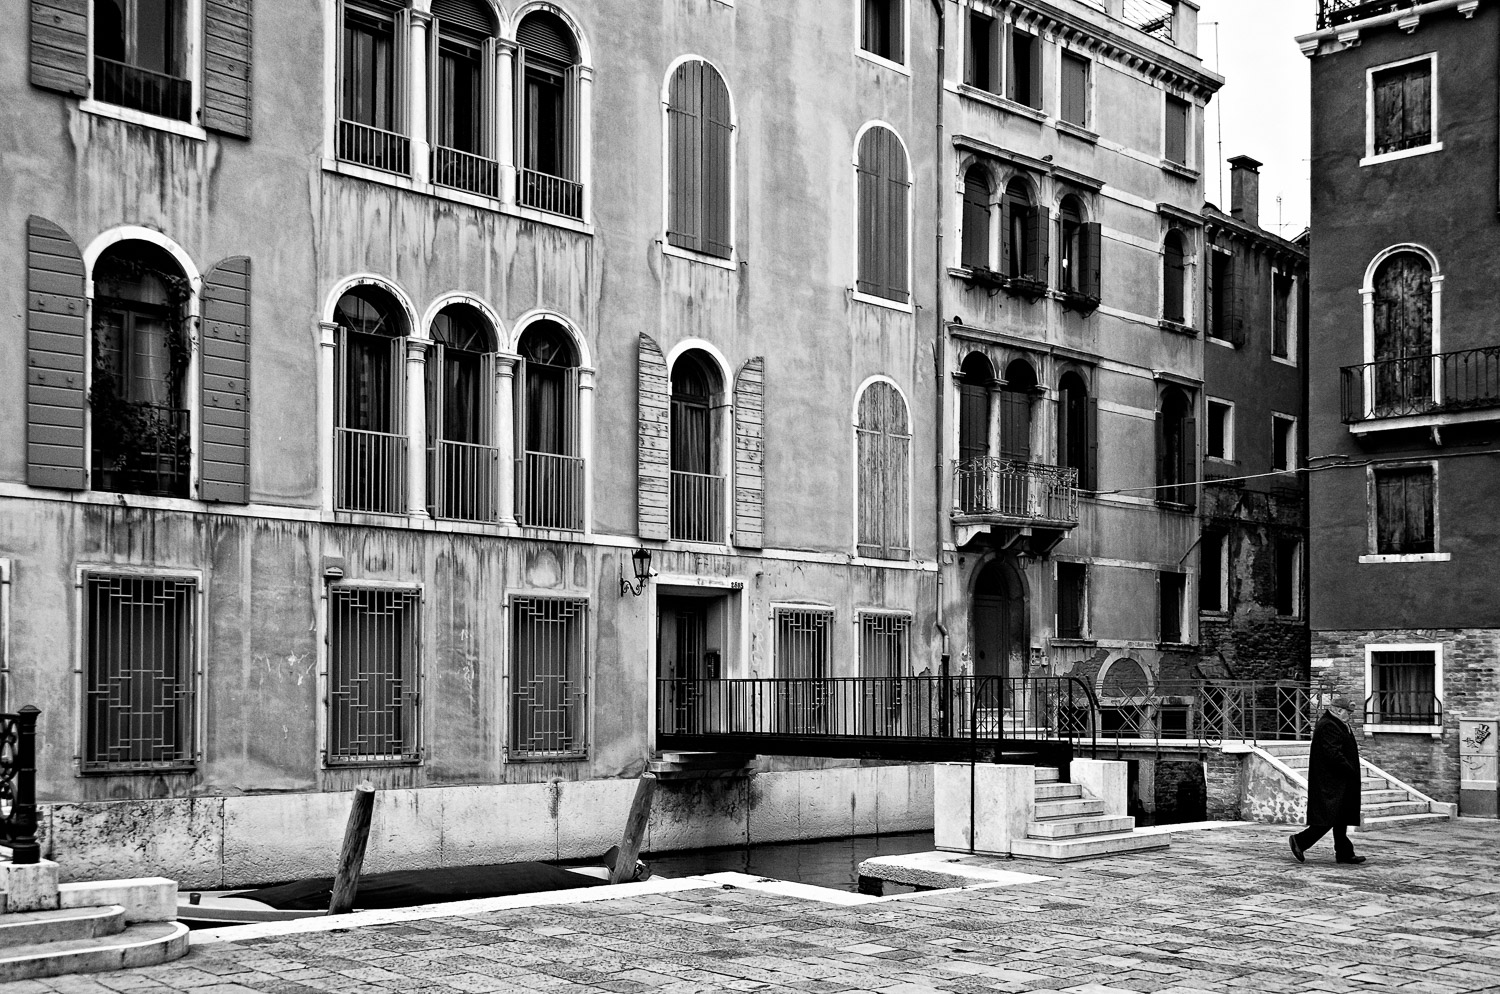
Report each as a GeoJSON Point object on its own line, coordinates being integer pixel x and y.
{"type": "Point", "coordinates": [1206, 712]}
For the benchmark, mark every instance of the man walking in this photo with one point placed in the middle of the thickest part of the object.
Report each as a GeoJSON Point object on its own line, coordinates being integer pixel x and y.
{"type": "Point", "coordinates": [1334, 780]}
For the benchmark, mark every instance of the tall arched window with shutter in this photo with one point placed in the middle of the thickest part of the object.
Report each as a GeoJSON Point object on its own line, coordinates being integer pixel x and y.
{"type": "Point", "coordinates": [700, 129]}
{"type": "Point", "coordinates": [882, 435]}
{"type": "Point", "coordinates": [548, 123]}
{"type": "Point", "coordinates": [883, 269]}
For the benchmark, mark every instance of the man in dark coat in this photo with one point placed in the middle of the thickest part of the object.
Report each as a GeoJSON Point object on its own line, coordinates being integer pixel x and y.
{"type": "Point", "coordinates": [1334, 781]}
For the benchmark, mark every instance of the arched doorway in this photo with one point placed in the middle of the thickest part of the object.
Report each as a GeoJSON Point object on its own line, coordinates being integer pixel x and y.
{"type": "Point", "coordinates": [998, 620]}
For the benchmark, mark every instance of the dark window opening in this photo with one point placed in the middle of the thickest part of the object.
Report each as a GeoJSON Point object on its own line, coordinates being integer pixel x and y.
{"type": "Point", "coordinates": [370, 117]}
{"type": "Point", "coordinates": [1223, 298]}
{"type": "Point", "coordinates": [552, 470]}
{"type": "Point", "coordinates": [1281, 306]}
{"type": "Point", "coordinates": [1071, 591]}
{"type": "Point", "coordinates": [697, 490]}
{"type": "Point", "coordinates": [1283, 443]}
{"type": "Point", "coordinates": [1404, 690]}
{"type": "Point", "coordinates": [1171, 587]}
{"type": "Point", "coordinates": [462, 463]}
{"type": "Point", "coordinates": [140, 56]}
{"type": "Point", "coordinates": [881, 29]}
{"type": "Point", "coordinates": [1288, 573]}
{"type": "Point", "coordinates": [547, 132]}
{"type": "Point", "coordinates": [1219, 427]}
{"type": "Point", "coordinates": [1174, 279]}
{"type": "Point", "coordinates": [370, 426]}
{"type": "Point", "coordinates": [1023, 235]}
{"type": "Point", "coordinates": [1211, 566]}
{"type": "Point", "coordinates": [1404, 515]}
{"type": "Point", "coordinates": [982, 32]}
{"type": "Point", "coordinates": [1024, 83]}
{"type": "Point", "coordinates": [1077, 429]}
{"type": "Point", "coordinates": [1176, 438]}
{"type": "Point", "coordinates": [1403, 107]}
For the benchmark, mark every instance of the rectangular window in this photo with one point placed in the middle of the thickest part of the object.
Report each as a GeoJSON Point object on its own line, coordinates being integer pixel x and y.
{"type": "Point", "coordinates": [884, 644]}
{"type": "Point", "coordinates": [981, 54]}
{"type": "Point", "coordinates": [1220, 430]}
{"type": "Point", "coordinates": [1283, 442]}
{"type": "Point", "coordinates": [881, 29]}
{"type": "Point", "coordinates": [1024, 83]}
{"type": "Point", "coordinates": [1402, 105]}
{"type": "Point", "coordinates": [548, 678]}
{"type": "Point", "coordinates": [1072, 609]}
{"type": "Point", "coordinates": [804, 650]}
{"type": "Point", "coordinates": [1171, 587]}
{"type": "Point", "coordinates": [1403, 685]}
{"type": "Point", "coordinates": [1404, 511]}
{"type": "Point", "coordinates": [1075, 89]}
{"type": "Point", "coordinates": [140, 668]}
{"type": "Point", "coordinates": [1213, 571]}
{"type": "Point", "coordinates": [1288, 577]}
{"type": "Point", "coordinates": [140, 57]}
{"type": "Point", "coordinates": [369, 112]}
{"type": "Point", "coordinates": [374, 650]}
{"type": "Point", "coordinates": [1223, 321]}
{"type": "Point", "coordinates": [1281, 314]}
{"type": "Point", "coordinates": [1176, 145]}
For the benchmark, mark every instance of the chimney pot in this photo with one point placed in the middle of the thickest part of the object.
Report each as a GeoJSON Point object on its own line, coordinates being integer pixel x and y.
{"type": "Point", "coordinates": [1244, 189]}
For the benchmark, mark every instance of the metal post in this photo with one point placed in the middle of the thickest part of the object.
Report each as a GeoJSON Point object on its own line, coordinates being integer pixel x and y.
{"type": "Point", "coordinates": [24, 848]}
{"type": "Point", "coordinates": [945, 690]}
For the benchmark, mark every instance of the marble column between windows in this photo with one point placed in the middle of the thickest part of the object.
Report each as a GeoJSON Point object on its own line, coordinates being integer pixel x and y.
{"type": "Point", "coordinates": [505, 436]}
{"type": "Point", "coordinates": [328, 447]}
{"type": "Point", "coordinates": [416, 427]}
{"type": "Point", "coordinates": [505, 105]}
{"type": "Point", "coordinates": [417, 117]}
{"type": "Point", "coordinates": [586, 443]}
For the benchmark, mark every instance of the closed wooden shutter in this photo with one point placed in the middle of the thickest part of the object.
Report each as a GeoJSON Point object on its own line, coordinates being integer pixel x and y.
{"type": "Point", "coordinates": [897, 282]}
{"type": "Point", "coordinates": [717, 194]}
{"type": "Point", "coordinates": [653, 459]}
{"type": "Point", "coordinates": [1088, 473]}
{"type": "Point", "coordinates": [1189, 469]}
{"type": "Point", "coordinates": [976, 220]}
{"type": "Point", "coordinates": [469, 15]}
{"type": "Point", "coordinates": [1015, 425]}
{"type": "Point", "coordinates": [1176, 138]}
{"type": "Point", "coordinates": [1234, 301]}
{"type": "Point", "coordinates": [1417, 101]}
{"type": "Point", "coordinates": [60, 46]}
{"type": "Point", "coordinates": [226, 67]}
{"type": "Point", "coordinates": [1038, 220]}
{"type": "Point", "coordinates": [1075, 89]}
{"type": "Point", "coordinates": [1093, 252]}
{"type": "Point", "coordinates": [685, 156]}
{"type": "Point", "coordinates": [870, 277]}
{"type": "Point", "coordinates": [546, 35]}
{"type": "Point", "coordinates": [55, 352]}
{"type": "Point", "coordinates": [749, 454]}
{"type": "Point", "coordinates": [225, 468]}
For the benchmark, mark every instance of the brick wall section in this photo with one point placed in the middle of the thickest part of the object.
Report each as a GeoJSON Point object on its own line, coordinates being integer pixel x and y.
{"type": "Point", "coordinates": [1223, 776]}
{"type": "Point", "coordinates": [1181, 792]}
{"type": "Point", "coordinates": [1471, 688]}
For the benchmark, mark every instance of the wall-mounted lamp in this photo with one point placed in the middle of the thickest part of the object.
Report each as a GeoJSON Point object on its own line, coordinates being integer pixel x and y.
{"type": "Point", "coordinates": [640, 559]}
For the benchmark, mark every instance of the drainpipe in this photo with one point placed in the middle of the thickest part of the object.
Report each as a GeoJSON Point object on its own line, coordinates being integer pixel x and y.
{"type": "Point", "coordinates": [940, 338]}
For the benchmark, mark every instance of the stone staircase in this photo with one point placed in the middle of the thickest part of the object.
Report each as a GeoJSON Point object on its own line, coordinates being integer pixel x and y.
{"type": "Point", "coordinates": [1070, 823]}
{"type": "Point", "coordinates": [48, 929]}
{"type": "Point", "coordinates": [681, 765]}
{"type": "Point", "coordinates": [1384, 800]}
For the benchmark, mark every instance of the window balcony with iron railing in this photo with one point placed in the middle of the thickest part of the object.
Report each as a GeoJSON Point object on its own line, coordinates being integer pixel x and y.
{"type": "Point", "coordinates": [465, 171]}
{"type": "Point", "coordinates": [1442, 383]}
{"type": "Point", "coordinates": [553, 194]}
{"type": "Point", "coordinates": [697, 507]}
{"type": "Point", "coordinates": [552, 491]}
{"type": "Point", "coordinates": [1335, 12]}
{"type": "Point", "coordinates": [463, 480]}
{"type": "Point", "coordinates": [371, 468]}
{"type": "Point", "coordinates": [145, 90]}
{"type": "Point", "coordinates": [990, 487]}
{"type": "Point", "coordinates": [366, 145]}
{"type": "Point", "coordinates": [142, 449]}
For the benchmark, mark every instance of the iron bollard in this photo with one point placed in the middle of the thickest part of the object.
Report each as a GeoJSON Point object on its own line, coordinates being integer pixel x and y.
{"type": "Point", "coordinates": [24, 848]}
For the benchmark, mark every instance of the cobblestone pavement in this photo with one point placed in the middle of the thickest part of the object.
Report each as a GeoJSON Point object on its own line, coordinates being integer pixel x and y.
{"type": "Point", "coordinates": [1225, 910]}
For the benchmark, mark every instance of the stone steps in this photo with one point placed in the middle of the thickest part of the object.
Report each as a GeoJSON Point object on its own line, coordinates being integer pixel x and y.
{"type": "Point", "coordinates": [27, 928]}
{"type": "Point", "coordinates": [1382, 801]}
{"type": "Point", "coordinates": [1058, 791]}
{"type": "Point", "coordinates": [679, 765]}
{"type": "Point", "coordinates": [1411, 819]}
{"type": "Point", "coordinates": [1370, 812]}
{"type": "Point", "coordinates": [145, 944]}
{"type": "Point", "coordinates": [1072, 828]}
{"type": "Point", "coordinates": [1067, 850]}
{"type": "Point", "coordinates": [1069, 823]}
{"type": "Point", "coordinates": [1072, 808]}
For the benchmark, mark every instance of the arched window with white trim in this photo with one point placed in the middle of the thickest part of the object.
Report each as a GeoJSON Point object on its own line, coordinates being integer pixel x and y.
{"type": "Point", "coordinates": [700, 130]}
{"type": "Point", "coordinates": [551, 470]}
{"type": "Point", "coordinates": [882, 433]}
{"type": "Point", "coordinates": [369, 412]}
{"type": "Point", "coordinates": [1402, 335]}
{"type": "Point", "coordinates": [462, 456]}
{"type": "Point", "coordinates": [883, 190]}
{"type": "Point", "coordinates": [697, 448]}
{"type": "Point", "coordinates": [548, 119]}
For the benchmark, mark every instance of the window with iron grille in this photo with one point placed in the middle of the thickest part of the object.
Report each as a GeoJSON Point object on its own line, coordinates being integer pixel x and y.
{"type": "Point", "coordinates": [374, 655]}
{"type": "Point", "coordinates": [1401, 104]}
{"type": "Point", "coordinates": [883, 438]}
{"type": "Point", "coordinates": [1072, 611]}
{"type": "Point", "coordinates": [139, 670]}
{"type": "Point", "coordinates": [1403, 687]}
{"type": "Point", "coordinates": [884, 644]}
{"type": "Point", "coordinates": [804, 642]}
{"type": "Point", "coordinates": [548, 124]}
{"type": "Point", "coordinates": [549, 678]}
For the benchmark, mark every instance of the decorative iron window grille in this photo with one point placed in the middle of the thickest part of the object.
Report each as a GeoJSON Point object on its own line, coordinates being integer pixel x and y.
{"type": "Point", "coordinates": [549, 678]}
{"type": "Point", "coordinates": [140, 670]}
{"type": "Point", "coordinates": [884, 644]}
{"type": "Point", "coordinates": [1404, 690]}
{"type": "Point", "coordinates": [374, 651]}
{"type": "Point", "coordinates": [804, 647]}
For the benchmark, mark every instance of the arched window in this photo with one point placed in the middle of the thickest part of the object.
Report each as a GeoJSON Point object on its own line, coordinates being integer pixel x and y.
{"type": "Point", "coordinates": [547, 126]}
{"type": "Point", "coordinates": [699, 182]}
{"type": "Point", "coordinates": [140, 56]}
{"type": "Point", "coordinates": [370, 430]}
{"type": "Point", "coordinates": [458, 98]}
{"type": "Point", "coordinates": [696, 449]}
{"type": "Point", "coordinates": [1079, 251]}
{"type": "Point", "coordinates": [1176, 449]}
{"type": "Point", "coordinates": [139, 424]}
{"type": "Point", "coordinates": [1015, 411]}
{"type": "Point", "coordinates": [1403, 335]}
{"type": "Point", "coordinates": [883, 189]}
{"type": "Point", "coordinates": [1023, 235]}
{"type": "Point", "coordinates": [1077, 429]}
{"type": "Point", "coordinates": [462, 460]}
{"type": "Point", "coordinates": [976, 380]}
{"type": "Point", "coordinates": [976, 220]}
{"type": "Point", "coordinates": [551, 484]}
{"type": "Point", "coordinates": [1174, 278]}
{"type": "Point", "coordinates": [883, 439]}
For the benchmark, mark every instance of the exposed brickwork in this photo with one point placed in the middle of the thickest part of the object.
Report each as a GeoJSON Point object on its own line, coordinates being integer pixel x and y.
{"type": "Point", "coordinates": [1471, 687]}
{"type": "Point", "coordinates": [1181, 792]}
{"type": "Point", "coordinates": [1223, 776]}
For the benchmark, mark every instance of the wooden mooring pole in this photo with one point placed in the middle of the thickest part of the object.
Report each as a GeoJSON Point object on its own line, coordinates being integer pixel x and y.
{"type": "Point", "coordinates": [352, 855]}
{"type": "Point", "coordinates": [635, 830]}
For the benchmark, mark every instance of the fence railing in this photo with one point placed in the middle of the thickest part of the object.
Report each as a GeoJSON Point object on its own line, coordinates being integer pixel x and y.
{"type": "Point", "coordinates": [1332, 12]}
{"type": "Point", "coordinates": [552, 491]}
{"type": "Point", "coordinates": [144, 90]}
{"type": "Point", "coordinates": [371, 468]}
{"type": "Point", "coordinates": [142, 449]}
{"type": "Point", "coordinates": [1403, 707]}
{"type": "Point", "coordinates": [1207, 711]}
{"type": "Point", "coordinates": [546, 192]}
{"type": "Point", "coordinates": [986, 485]}
{"type": "Point", "coordinates": [1440, 383]}
{"type": "Point", "coordinates": [465, 171]}
{"type": "Point", "coordinates": [374, 147]}
{"type": "Point", "coordinates": [18, 785]}
{"type": "Point", "coordinates": [697, 507]}
{"type": "Point", "coordinates": [463, 481]}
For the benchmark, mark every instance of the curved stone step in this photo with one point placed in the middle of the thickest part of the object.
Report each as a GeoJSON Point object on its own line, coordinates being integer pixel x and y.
{"type": "Point", "coordinates": [141, 945]}
{"type": "Point", "coordinates": [31, 927]}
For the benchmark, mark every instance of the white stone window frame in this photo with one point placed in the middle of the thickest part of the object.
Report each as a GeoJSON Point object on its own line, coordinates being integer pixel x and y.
{"type": "Point", "coordinates": [1372, 524]}
{"type": "Point", "coordinates": [1436, 648]}
{"type": "Point", "coordinates": [723, 441]}
{"type": "Point", "coordinates": [192, 29]}
{"type": "Point", "coordinates": [903, 67]}
{"type": "Point", "coordinates": [1293, 456]}
{"type": "Point", "coordinates": [1293, 314]}
{"type": "Point", "coordinates": [1367, 306]}
{"type": "Point", "coordinates": [732, 263]}
{"type": "Point", "coordinates": [1187, 619]}
{"type": "Point", "coordinates": [1433, 145]}
{"type": "Point", "coordinates": [909, 306]}
{"type": "Point", "coordinates": [1193, 247]}
{"type": "Point", "coordinates": [1229, 417]}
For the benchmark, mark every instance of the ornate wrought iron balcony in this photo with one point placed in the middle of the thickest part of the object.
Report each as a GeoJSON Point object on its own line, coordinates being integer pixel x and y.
{"type": "Point", "coordinates": [1008, 491]}
{"type": "Point", "coordinates": [1333, 12]}
{"type": "Point", "coordinates": [1442, 383]}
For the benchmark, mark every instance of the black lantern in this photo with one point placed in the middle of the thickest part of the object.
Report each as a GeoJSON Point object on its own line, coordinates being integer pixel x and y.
{"type": "Point", "coordinates": [640, 559]}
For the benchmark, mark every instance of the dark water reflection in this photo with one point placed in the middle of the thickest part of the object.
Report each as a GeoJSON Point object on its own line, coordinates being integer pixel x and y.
{"type": "Point", "coordinates": [827, 863]}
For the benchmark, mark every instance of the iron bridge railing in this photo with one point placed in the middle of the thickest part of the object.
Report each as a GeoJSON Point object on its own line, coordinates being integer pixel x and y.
{"type": "Point", "coordinates": [18, 785]}
{"type": "Point", "coordinates": [1206, 712]}
{"type": "Point", "coordinates": [1430, 384]}
{"type": "Point", "coordinates": [986, 485]}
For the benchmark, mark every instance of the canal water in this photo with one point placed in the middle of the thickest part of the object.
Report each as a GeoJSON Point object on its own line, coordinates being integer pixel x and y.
{"type": "Point", "coordinates": [826, 863]}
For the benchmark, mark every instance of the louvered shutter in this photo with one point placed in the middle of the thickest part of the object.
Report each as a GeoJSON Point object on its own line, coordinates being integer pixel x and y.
{"type": "Point", "coordinates": [1093, 248]}
{"type": "Point", "coordinates": [469, 15]}
{"type": "Point", "coordinates": [685, 156]}
{"type": "Point", "coordinates": [1038, 220]}
{"type": "Point", "coordinates": [1015, 425]}
{"type": "Point", "coordinates": [1088, 473]}
{"type": "Point", "coordinates": [870, 277]}
{"type": "Point", "coordinates": [976, 220]}
{"type": "Point", "coordinates": [717, 195]}
{"type": "Point", "coordinates": [59, 46]}
{"type": "Point", "coordinates": [1234, 323]}
{"type": "Point", "coordinates": [225, 468]}
{"type": "Point", "coordinates": [226, 67]}
{"type": "Point", "coordinates": [1189, 494]}
{"type": "Point", "coordinates": [1163, 460]}
{"type": "Point", "coordinates": [653, 460]}
{"type": "Point", "coordinates": [749, 454]}
{"type": "Point", "coordinates": [55, 354]}
{"type": "Point", "coordinates": [896, 275]}
{"type": "Point", "coordinates": [1007, 249]}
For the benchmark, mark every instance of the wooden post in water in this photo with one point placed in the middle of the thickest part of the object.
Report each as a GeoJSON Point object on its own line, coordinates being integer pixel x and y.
{"type": "Point", "coordinates": [635, 830]}
{"type": "Point", "coordinates": [352, 855]}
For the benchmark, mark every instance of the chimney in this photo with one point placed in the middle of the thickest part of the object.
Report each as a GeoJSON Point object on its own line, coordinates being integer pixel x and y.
{"type": "Point", "coordinates": [1244, 189]}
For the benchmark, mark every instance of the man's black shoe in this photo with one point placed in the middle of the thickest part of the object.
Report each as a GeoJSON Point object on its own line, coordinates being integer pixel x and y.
{"type": "Point", "coordinates": [1296, 849]}
{"type": "Point", "coordinates": [1350, 859]}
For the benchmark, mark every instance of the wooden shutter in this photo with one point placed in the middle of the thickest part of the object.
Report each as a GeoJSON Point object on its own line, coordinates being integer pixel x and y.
{"type": "Point", "coordinates": [716, 174]}
{"type": "Point", "coordinates": [976, 220]}
{"type": "Point", "coordinates": [1163, 463]}
{"type": "Point", "coordinates": [1189, 467]}
{"type": "Point", "coordinates": [55, 355]}
{"type": "Point", "coordinates": [1176, 138]}
{"type": "Point", "coordinates": [1015, 425]}
{"type": "Point", "coordinates": [1088, 473]}
{"type": "Point", "coordinates": [59, 46]}
{"type": "Point", "coordinates": [1093, 246]}
{"type": "Point", "coordinates": [894, 248]}
{"type": "Point", "coordinates": [1037, 221]}
{"type": "Point", "coordinates": [653, 459]}
{"type": "Point", "coordinates": [749, 454]}
{"type": "Point", "coordinates": [1007, 219]}
{"type": "Point", "coordinates": [225, 468]}
{"type": "Point", "coordinates": [1234, 289]}
{"type": "Point", "coordinates": [870, 277]}
{"type": "Point", "coordinates": [226, 67]}
{"type": "Point", "coordinates": [685, 156]}
{"type": "Point", "coordinates": [1416, 99]}
{"type": "Point", "coordinates": [1075, 89]}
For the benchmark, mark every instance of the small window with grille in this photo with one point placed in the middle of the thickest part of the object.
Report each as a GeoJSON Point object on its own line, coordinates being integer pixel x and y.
{"type": "Point", "coordinates": [140, 651]}
{"type": "Point", "coordinates": [804, 650]}
{"type": "Point", "coordinates": [374, 652]}
{"type": "Point", "coordinates": [884, 644]}
{"type": "Point", "coordinates": [549, 678]}
{"type": "Point", "coordinates": [1404, 682]}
